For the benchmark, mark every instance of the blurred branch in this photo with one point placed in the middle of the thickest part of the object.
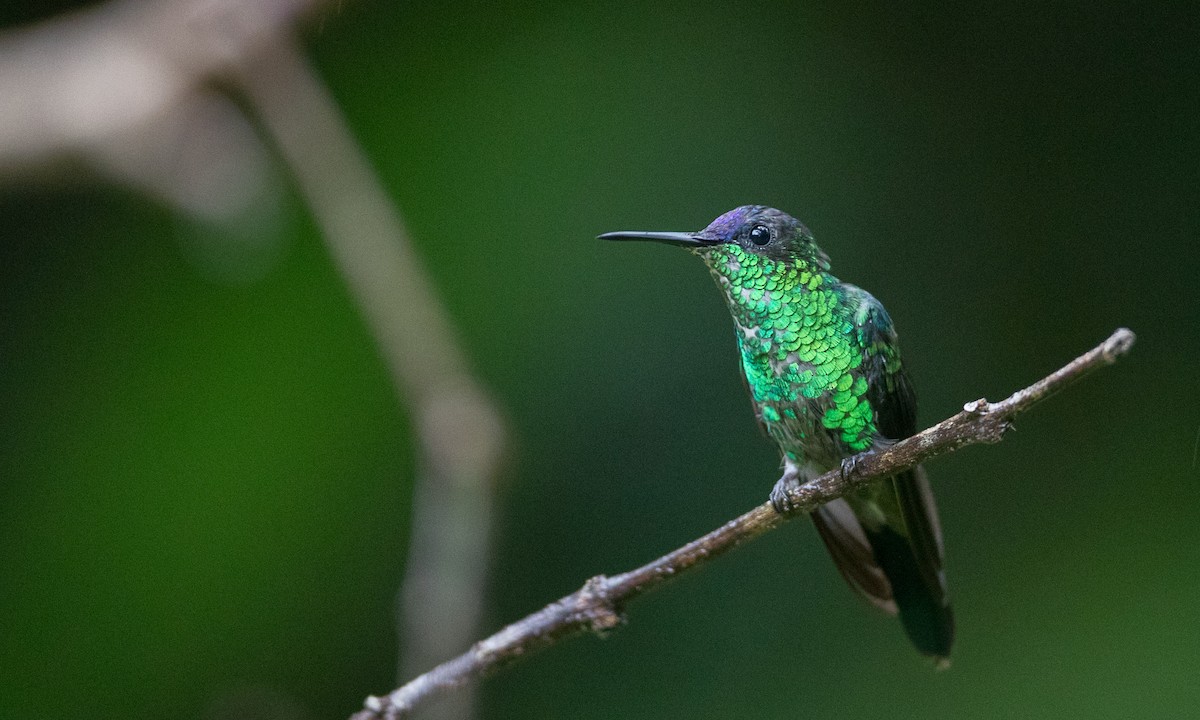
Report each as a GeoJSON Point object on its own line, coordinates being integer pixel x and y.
{"type": "Point", "coordinates": [127, 88]}
{"type": "Point", "coordinates": [462, 435]}
{"type": "Point", "coordinates": [122, 88]}
{"type": "Point", "coordinates": [597, 606]}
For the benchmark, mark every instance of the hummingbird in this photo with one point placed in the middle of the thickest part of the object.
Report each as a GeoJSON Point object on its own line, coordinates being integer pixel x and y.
{"type": "Point", "coordinates": [821, 362]}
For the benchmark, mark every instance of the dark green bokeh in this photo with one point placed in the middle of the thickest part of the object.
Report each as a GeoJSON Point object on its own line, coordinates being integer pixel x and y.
{"type": "Point", "coordinates": [204, 486]}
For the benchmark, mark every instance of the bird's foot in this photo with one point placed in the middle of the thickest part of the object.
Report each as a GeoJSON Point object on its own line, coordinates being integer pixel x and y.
{"type": "Point", "coordinates": [780, 499]}
{"type": "Point", "coordinates": [848, 466]}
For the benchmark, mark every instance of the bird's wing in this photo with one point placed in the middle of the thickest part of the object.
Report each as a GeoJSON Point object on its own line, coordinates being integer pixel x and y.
{"type": "Point", "coordinates": [909, 547]}
{"type": "Point", "coordinates": [891, 395]}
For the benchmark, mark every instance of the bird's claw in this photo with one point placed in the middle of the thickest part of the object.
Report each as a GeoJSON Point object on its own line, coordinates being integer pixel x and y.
{"type": "Point", "coordinates": [848, 466]}
{"type": "Point", "coordinates": [781, 500]}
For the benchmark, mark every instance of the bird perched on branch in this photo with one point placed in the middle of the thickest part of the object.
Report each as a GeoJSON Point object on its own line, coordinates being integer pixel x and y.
{"type": "Point", "coordinates": [821, 361]}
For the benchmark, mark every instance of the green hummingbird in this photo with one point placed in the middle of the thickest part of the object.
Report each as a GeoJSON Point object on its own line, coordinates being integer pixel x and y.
{"type": "Point", "coordinates": [822, 363]}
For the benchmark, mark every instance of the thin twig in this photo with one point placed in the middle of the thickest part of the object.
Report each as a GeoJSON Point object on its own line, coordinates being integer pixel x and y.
{"type": "Point", "coordinates": [597, 606]}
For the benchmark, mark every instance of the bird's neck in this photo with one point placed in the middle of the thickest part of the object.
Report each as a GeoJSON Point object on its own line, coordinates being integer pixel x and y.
{"type": "Point", "coordinates": [764, 294]}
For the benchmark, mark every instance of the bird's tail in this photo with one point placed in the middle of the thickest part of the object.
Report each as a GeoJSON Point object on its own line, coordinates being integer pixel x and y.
{"type": "Point", "coordinates": [897, 566]}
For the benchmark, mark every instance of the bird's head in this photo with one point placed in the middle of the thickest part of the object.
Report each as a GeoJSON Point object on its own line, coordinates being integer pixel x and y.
{"type": "Point", "coordinates": [748, 235]}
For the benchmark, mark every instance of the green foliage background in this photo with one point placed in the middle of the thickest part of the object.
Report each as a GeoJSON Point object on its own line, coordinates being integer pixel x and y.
{"type": "Point", "coordinates": [204, 485]}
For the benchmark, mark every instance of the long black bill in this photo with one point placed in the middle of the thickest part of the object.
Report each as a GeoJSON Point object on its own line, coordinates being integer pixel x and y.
{"type": "Point", "coordinates": [671, 238]}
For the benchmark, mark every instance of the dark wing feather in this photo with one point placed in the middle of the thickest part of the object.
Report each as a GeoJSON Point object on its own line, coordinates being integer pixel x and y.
{"type": "Point", "coordinates": [891, 394]}
{"type": "Point", "coordinates": [909, 548]}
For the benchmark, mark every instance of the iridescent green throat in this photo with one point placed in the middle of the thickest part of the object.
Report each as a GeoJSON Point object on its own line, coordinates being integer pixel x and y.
{"type": "Point", "coordinates": [799, 349]}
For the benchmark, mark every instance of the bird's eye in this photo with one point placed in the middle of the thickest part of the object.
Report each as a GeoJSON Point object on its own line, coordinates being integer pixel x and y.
{"type": "Point", "coordinates": [760, 235]}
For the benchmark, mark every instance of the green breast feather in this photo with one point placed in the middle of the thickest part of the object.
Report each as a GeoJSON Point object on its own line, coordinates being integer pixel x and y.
{"type": "Point", "coordinates": [802, 352]}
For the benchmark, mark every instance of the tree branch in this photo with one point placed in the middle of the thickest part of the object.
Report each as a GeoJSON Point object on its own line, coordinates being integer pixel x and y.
{"type": "Point", "coordinates": [460, 428]}
{"type": "Point", "coordinates": [597, 605]}
{"type": "Point", "coordinates": [138, 91]}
